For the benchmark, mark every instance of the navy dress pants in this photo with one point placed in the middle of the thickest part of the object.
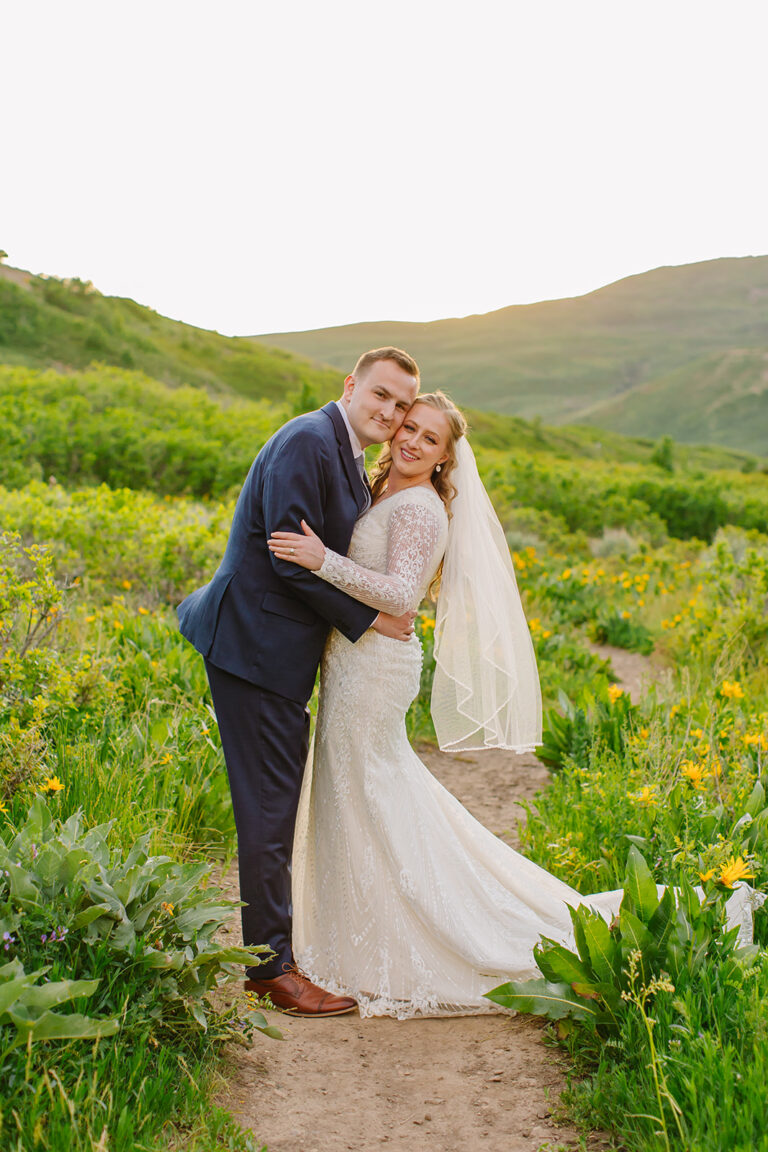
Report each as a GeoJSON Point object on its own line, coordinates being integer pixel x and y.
{"type": "Point", "coordinates": [265, 740]}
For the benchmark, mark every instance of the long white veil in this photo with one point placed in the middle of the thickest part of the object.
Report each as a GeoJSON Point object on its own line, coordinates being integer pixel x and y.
{"type": "Point", "coordinates": [486, 691]}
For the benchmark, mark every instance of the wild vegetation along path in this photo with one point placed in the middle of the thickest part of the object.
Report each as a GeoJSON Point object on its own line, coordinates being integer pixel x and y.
{"type": "Point", "coordinates": [443, 1085]}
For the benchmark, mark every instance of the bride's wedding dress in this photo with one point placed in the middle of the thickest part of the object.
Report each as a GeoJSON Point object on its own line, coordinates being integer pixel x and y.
{"type": "Point", "coordinates": [401, 898]}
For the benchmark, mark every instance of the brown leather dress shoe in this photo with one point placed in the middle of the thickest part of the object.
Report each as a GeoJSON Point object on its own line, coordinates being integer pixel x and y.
{"type": "Point", "coordinates": [295, 993]}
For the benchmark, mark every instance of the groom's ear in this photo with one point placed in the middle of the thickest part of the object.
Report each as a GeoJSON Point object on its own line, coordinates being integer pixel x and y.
{"type": "Point", "coordinates": [349, 387]}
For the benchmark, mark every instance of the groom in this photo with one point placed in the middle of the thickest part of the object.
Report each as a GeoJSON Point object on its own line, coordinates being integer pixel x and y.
{"type": "Point", "coordinates": [261, 624]}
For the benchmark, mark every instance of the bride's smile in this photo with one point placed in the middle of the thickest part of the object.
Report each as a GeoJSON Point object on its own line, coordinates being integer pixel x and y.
{"type": "Point", "coordinates": [418, 446]}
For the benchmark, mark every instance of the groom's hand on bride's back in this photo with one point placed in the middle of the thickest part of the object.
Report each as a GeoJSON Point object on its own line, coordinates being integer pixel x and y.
{"type": "Point", "coordinates": [396, 627]}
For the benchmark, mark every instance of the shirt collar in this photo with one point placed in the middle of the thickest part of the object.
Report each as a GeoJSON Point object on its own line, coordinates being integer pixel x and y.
{"type": "Point", "coordinates": [353, 440]}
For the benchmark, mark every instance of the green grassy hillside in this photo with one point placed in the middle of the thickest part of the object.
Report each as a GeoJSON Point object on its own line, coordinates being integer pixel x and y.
{"type": "Point", "coordinates": [561, 359]}
{"type": "Point", "coordinates": [720, 399]}
{"type": "Point", "coordinates": [48, 322]}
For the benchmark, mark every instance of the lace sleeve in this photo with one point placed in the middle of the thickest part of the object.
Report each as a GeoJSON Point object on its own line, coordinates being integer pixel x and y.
{"type": "Point", "coordinates": [414, 533]}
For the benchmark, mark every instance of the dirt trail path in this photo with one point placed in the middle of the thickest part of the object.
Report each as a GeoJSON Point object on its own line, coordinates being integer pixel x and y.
{"type": "Point", "coordinates": [442, 1085]}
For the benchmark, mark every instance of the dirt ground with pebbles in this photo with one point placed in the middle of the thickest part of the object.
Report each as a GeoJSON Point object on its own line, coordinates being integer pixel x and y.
{"type": "Point", "coordinates": [441, 1085]}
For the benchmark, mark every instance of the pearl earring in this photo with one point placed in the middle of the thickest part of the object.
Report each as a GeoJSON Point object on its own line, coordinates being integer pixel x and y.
{"type": "Point", "coordinates": [437, 467]}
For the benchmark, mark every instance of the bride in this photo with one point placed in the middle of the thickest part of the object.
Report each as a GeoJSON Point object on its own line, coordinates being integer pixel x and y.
{"type": "Point", "coordinates": [401, 898]}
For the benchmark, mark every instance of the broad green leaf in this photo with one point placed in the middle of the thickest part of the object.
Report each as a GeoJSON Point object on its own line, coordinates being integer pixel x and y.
{"type": "Point", "coordinates": [12, 991]}
{"type": "Point", "coordinates": [578, 915]}
{"type": "Point", "coordinates": [586, 991]}
{"type": "Point", "coordinates": [92, 912]}
{"type": "Point", "coordinates": [73, 1026]}
{"type": "Point", "coordinates": [192, 919]}
{"type": "Point", "coordinates": [557, 963]}
{"type": "Point", "coordinates": [540, 998]}
{"type": "Point", "coordinates": [198, 1012]}
{"type": "Point", "coordinates": [640, 894]}
{"type": "Point", "coordinates": [602, 947]}
{"type": "Point", "coordinates": [57, 992]}
{"type": "Point", "coordinates": [756, 801]}
{"type": "Point", "coordinates": [24, 890]}
{"type": "Point", "coordinates": [234, 954]}
{"type": "Point", "coordinates": [261, 1024]}
{"type": "Point", "coordinates": [635, 935]}
{"type": "Point", "coordinates": [662, 923]}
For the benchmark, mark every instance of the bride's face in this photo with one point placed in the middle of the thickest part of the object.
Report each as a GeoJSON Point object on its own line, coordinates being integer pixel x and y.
{"type": "Point", "coordinates": [420, 443]}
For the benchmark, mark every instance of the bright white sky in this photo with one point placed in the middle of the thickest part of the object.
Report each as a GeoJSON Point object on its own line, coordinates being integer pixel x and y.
{"type": "Point", "coordinates": [254, 167]}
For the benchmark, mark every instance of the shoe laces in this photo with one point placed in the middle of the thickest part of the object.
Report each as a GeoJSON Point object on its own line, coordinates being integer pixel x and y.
{"type": "Point", "coordinates": [294, 970]}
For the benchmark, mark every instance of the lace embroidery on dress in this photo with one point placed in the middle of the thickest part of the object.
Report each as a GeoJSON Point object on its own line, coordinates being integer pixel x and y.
{"type": "Point", "coordinates": [416, 528]}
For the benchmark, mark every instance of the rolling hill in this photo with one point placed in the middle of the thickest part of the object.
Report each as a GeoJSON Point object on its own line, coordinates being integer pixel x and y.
{"type": "Point", "coordinates": [679, 350]}
{"type": "Point", "coordinates": [50, 323]}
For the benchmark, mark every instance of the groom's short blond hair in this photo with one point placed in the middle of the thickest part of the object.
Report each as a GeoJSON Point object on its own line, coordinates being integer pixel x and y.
{"type": "Point", "coordinates": [406, 362]}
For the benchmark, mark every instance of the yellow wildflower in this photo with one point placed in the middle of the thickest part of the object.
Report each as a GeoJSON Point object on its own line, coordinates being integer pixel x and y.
{"type": "Point", "coordinates": [166, 759]}
{"type": "Point", "coordinates": [3, 807]}
{"type": "Point", "coordinates": [731, 690]}
{"type": "Point", "coordinates": [697, 733]}
{"type": "Point", "coordinates": [143, 611]}
{"type": "Point", "coordinates": [674, 711]}
{"type": "Point", "coordinates": [118, 624]}
{"type": "Point", "coordinates": [546, 633]}
{"type": "Point", "coordinates": [90, 619]}
{"type": "Point", "coordinates": [614, 692]}
{"type": "Point", "coordinates": [707, 875]}
{"type": "Point", "coordinates": [167, 907]}
{"type": "Point", "coordinates": [206, 731]}
{"type": "Point", "coordinates": [643, 733]}
{"type": "Point", "coordinates": [625, 615]}
{"type": "Point", "coordinates": [693, 772]}
{"type": "Point", "coordinates": [127, 584]}
{"type": "Point", "coordinates": [534, 624]}
{"type": "Point", "coordinates": [735, 869]}
{"type": "Point", "coordinates": [646, 795]}
{"type": "Point", "coordinates": [53, 784]}
{"type": "Point", "coordinates": [565, 574]}
{"type": "Point", "coordinates": [641, 603]}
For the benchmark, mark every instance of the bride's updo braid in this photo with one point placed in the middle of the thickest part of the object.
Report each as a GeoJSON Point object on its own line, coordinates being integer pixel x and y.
{"type": "Point", "coordinates": [441, 480]}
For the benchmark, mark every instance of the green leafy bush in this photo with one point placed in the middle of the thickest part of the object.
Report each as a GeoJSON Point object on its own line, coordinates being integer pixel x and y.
{"type": "Point", "coordinates": [619, 629]}
{"type": "Point", "coordinates": [74, 904]}
{"type": "Point", "coordinates": [592, 719]}
{"type": "Point", "coordinates": [612, 998]}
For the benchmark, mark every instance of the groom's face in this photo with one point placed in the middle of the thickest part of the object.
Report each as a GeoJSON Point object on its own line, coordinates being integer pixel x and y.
{"type": "Point", "coordinates": [377, 401]}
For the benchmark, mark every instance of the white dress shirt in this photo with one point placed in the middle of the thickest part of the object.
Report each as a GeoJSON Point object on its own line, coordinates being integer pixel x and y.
{"type": "Point", "coordinates": [353, 440]}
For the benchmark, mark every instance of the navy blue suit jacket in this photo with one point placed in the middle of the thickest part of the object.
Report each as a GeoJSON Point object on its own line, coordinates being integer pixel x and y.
{"type": "Point", "coordinates": [263, 619]}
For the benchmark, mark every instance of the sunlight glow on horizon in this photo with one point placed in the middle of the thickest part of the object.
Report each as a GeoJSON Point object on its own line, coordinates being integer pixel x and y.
{"type": "Point", "coordinates": [260, 170]}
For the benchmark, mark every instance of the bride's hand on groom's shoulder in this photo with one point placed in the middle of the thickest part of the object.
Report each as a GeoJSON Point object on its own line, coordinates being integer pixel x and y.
{"type": "Point", "coordinates": [307, 550]}
{"type": "Point", "coordinates": [396, 627]}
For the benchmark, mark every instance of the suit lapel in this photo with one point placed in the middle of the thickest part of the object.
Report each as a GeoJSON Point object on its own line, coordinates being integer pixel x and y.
{"type": "Point", "coordinates": [347, 459]}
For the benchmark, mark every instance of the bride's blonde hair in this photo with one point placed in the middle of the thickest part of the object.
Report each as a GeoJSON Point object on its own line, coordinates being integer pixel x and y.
{"type": "Point", "coordinates": [441, 481]}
